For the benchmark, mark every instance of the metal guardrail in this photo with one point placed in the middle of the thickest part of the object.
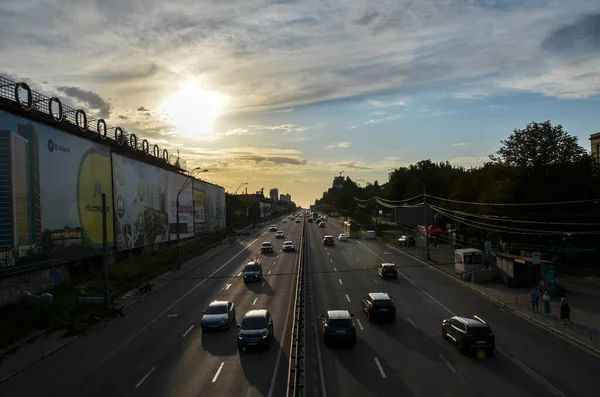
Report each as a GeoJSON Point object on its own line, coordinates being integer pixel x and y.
{"type": "Point", "coordinates": [30, 100]}
{"type": "Point", "coordinates": [296, 363]}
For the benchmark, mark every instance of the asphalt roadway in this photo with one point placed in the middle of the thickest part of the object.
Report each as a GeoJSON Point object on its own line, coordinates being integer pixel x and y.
{"type": "Point", "coordinates": [410, 357]}
{"type": "Point", "coordinates": [158, 349]}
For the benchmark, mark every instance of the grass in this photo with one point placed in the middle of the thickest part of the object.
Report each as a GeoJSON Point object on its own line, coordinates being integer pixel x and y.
{"type": "Point", "coordinates": [27, 317]}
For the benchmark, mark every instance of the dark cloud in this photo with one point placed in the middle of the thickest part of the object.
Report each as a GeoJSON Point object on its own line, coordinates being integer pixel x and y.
{"type": "Point", "coordinates": [143, 109]}
{"type": "Point", "coordinates": [580, 36]}
{"type": "Point", "coordinates": [133, 73]}
{"type": "Point", "coordinates": [91, 99]}
{"type": "Point", "coordinates": [275, 159]}
{"type": "Point", "coordinates": [354, 166]}
{"type": "Point", "coordinates": [367, 17]}
{"type": "Point", "coordinates": [123, 117]}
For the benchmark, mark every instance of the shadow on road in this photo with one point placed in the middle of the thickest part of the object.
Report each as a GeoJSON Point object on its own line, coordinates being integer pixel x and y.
{"type": "Point", "coordinates": [220, 343]}
{"type": "Point", "coordinates": [258, 366]}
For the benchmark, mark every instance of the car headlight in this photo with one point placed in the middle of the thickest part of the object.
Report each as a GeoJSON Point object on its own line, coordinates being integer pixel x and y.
{"type": "Point", "coordinates": [239, 337]}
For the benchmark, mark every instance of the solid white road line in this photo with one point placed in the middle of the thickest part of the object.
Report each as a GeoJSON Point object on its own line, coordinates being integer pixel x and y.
{"type": "Point", "coordinates": [380, 368]}
{"type": "Point", "coordinates": [347, 297]}
{"type": "Point", "coordinates": [359, 324]}
{"type": "Point", "coordinates": [172, 315]}
{"type": "Point", "coordinates": [155, 319]}
{"type": "Point", "coordinates": [188, 331]}
{"type": "Point", "coordinates": [145, 377]}
{"type": "Point", "coordinates": [228, 286]}
{"type": "Point", "coordinates": [447, 363]}
{"type": "Point", "coordinates": [218, 372]}
{"type": "Point", "coordinates": [515, 361]}
{"type": "Point", "coordinates": [340, 280]}
{"type": "Point", "coordinates": [254, 302]}
{"type": "Point", "coordinates": [411, 322]}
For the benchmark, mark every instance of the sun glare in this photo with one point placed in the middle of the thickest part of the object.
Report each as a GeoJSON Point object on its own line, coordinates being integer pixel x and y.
{"type": "Point", "coordinates": [193, 110]}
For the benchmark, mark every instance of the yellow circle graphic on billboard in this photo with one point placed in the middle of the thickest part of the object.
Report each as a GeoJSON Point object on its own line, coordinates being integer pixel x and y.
{"type": "Point", "coordinates": [94, 179]}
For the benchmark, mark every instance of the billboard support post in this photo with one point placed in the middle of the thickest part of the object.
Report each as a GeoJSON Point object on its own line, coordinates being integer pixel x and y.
{"type": "Point", "coordinates": [177, 221]}
{"type": "Point", "coordinates": [105, 253]}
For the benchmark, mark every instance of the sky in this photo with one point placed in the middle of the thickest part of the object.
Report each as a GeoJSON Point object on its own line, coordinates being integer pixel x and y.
{"type": "Point", "coordinates": [289, 94]}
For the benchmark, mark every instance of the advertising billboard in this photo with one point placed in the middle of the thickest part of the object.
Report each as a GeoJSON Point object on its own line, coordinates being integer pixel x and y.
{"type": "Point", "coordinates": [50, 193]}
{"type": "Point", "coordinates": [265, 209]}
{"type": "Point", "coordinates": [209, 207]}
{"type": "Point", "coordinates": [182, 185]}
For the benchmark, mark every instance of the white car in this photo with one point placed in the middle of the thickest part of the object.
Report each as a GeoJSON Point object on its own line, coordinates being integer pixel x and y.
{"type": "Point", "coordinates": [370, 235]}
{"type": "Point", "coordinates": [343, 237]}
{"type": "Point", "coordinates": [279, 234]}
{"type": "Point", "coordinates": [288, 246]}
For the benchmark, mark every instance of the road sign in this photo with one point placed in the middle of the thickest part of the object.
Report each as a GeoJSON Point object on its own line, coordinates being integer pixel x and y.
{"type": "Point", "coordinates": [487, 247]}
{"type": "Point", "coordinates": [535, 256]}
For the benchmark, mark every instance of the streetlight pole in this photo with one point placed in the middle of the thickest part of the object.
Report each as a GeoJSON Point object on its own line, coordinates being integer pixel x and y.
{"type": "Point", "coordinates": [185, 184]}
{"type": "Point", "coordinates": [424, 216]}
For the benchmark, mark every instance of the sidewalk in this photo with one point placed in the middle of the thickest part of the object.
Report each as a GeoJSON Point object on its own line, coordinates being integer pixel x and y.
{"type": "Point", "coordinates": [15, 359]}
{"type": "Point", "coordinates": [583, 296]}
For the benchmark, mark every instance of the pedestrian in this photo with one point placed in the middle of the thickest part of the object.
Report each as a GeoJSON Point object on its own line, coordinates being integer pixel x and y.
{"type": "Point", "coordinates": [547, 307]}
{"type": "Point", "coordinates": [534, 300]}
{"type": "Point", "coordinates": [565, 311]}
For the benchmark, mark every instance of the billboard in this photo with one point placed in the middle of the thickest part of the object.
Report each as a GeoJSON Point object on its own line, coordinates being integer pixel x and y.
{"type": "Point", "coordinates": [209, 207]}
{"type": "Point", "coordinates": [50, 193]}
{"type": "Point", "coordinates": [266, 209]}
{"type": "Point", "coordinates": [182, 185]}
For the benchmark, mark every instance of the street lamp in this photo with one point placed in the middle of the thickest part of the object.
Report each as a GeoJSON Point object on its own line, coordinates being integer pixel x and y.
{"type": "Point", "coordinates": [424, 214]}
{"type": "Point", "coordinates": [185, 184]}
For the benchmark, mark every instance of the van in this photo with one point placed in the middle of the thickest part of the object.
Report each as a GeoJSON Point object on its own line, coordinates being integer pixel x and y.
{"type": "Point", "coordinates": [370, 234]}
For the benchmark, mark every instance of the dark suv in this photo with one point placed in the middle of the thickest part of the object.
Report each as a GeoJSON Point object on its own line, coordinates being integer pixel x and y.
{"type": "Point", "coordinates": [469, 333]}
{"type": "Point", "coordinates": [379, 306]}
{"type": "Point", "coordinates": [328, 240]}
{"type": "Point", "coordinates": [387, 270]}
{"type": "Point", "coordinates": [253, 271]}
{"type": "Point", "coordinates": [256, 330]}
{"type": "Point", "coordinates": [338, 326]}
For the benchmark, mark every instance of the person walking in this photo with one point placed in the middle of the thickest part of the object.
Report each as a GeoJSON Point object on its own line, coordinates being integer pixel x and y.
{"type": "Point", "coordinates": [547, 307]}
{"type": "Point", "coordinates": [565, 311]}
{"type": "Point", "coordinates": [534, 300]}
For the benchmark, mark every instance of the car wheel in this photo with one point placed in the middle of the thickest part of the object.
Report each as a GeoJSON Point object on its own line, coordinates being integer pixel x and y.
{"type": "Point", "coordinates": [352, 343]}
{"type": "Point", "coordinates": [371, 318]}
{"type": "Point", "coordinates": [444, 334]}
{"type": "Point", "coordinates": [491, 352]}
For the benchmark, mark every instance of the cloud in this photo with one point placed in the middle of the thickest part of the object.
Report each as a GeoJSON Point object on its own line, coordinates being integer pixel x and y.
{"type": "Point", "coordinates": [342, 145]}
{"type": "Point", "coordinates": [280, 127]}
{"type": "Point", "coordinates": [126, 73]}
{"type": "Point", "coordinates": [274, 159]}
{"type": "Point", "coordinates": [353, 165]}
{"type": "Point", "coordinates": [142, 109]}
{"type": "Point", "coordinates": [384, 104]}
{"type": "Point", "coordinates": [383, 119]}
{"type": "Point", "coordinates": [89, 99]}
{"type": "Point", "coordinates": [352, 127]}
{"type": "Point", "coordinates": [470, 94]}
{"type": "Point", "coordinates": [123, 117]}
{"type": "Point", "coordinates": [469, 161]}
{"type": "Point", "coordinates": [460, 144]}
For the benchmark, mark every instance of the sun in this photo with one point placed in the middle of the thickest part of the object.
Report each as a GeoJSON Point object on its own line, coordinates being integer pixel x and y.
{"type": "Point", "coordinates": [192, 110]}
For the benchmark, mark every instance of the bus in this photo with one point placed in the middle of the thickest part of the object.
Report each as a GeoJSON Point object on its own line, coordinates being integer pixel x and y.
{"type": "Point", "coordinates": [352, 229]}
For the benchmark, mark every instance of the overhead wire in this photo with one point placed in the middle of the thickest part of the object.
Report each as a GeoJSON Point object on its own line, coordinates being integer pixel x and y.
{"type": "Point", "coordinates": [516, 204]}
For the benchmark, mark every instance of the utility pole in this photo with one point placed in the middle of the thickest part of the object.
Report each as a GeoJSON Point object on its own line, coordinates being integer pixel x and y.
{"type": "Point", "coordinates": [425, 218]}
{"type": "Point", "coordinates": [105, 253]}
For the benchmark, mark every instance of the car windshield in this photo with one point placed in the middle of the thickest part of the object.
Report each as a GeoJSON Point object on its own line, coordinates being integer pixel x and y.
{"type": "Point", "coordinates": [266, 244]}
{"type": "Point", "coordinates": [216, 309]}
{"type": "Point", "coordinates": [340, 323]}
{"type": "Point", "coordinates": [251, 267]}
{"type": "Point", "coordinates": [288, 243]}
{"type": "Point", "coordinates": [479, 331]}
{"type": "Point", "coordinates": [383, 303]}
{"type": "Point", "coordinates": [254, 323]}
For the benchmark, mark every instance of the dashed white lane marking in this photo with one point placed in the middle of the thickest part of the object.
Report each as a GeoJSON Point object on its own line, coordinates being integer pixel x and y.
{"type": "Point", "coordinates": [144, 378]}
{"type": "Point", "coordinates": [380, 368]}
{"type": "Point", "coordinates": [188, 331]}
{"type": "Point", "coordinates": [228, 286]}
{"type": "Point", "coordinates": [411, 322]}
{"type": "Point", "coordinates": [172, 315]}
{"type": "Point", "coordinates": [218, 372]}
{"type": "Point", "coordinates": [359, 324]}
{"type": "Point", "coordinates": [269, 272]}
{"type": "Point", "coordinates": [340, 280]}
{"type": "Point", "coordinates": [277, 256]}
{"type": "Point", "coordinates": [254, 302]}
{"type": "Point", "coordinates": [239, 274]}
{"type": "Point", "coordinates": [347, 297]}
{"type": "Point", "coordinates": [334, 269]}
{"type": "Point", "coordinates": [274, 263]}
{"type": "Point", "coordinates": [263, 284]}
{"type": "Point", "coordinates": [447, 363]}
{"type": "Point", "coordinates": [331, 260]}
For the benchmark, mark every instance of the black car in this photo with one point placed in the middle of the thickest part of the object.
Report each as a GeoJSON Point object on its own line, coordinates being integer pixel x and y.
{"type": "Point", "coordinates": [387, 270]}
{"type": "Point", "coordinates": [256, 330]}
{"type": "Point", "coordinates": [469, 333]}
{"type": "Point", "coordinates": [253, 271]}
{"type": "Point", "coordinates": [309, 220]}
{"type": "Point", "coordinates": [337, 325]}
{"type": "Point", "coordinates": [328, 240]}
{"type": "Point", "coordinates": [218, 315]}
{"type": "Point", "coordinates": [379, 306]}
{"type": "Point", "coordinates": [267, 246]}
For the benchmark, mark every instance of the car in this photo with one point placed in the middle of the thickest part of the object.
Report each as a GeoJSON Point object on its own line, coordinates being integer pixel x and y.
{"type": "Point", "coordinates": [284, 221]}
{"type": "Point", "coordinates": [337, 325]}
{"type": "Point", "coordinates": [328, 240]}
{"type": "Point", "coordinates": [265, 247]}
{"type": "Point", "coordinates": [219, 315]}
{"type": "Point", "coordinates": [253, 271]}
{"type": "Point", "coordinates": [407, 241]}
{"type": "Point", "coordinates": [322, 224]}
{"type": "Point", "coordinates": [371, 235]}
{"type": "Point", "coordinates": [469, 333]}
{"type": "Point", "coordinates": [288, 246]}
{"type": "Point", "coordinates": [273, 228]}
{"type": "Point", "coordinates": [387, 270]}
{"type": "Point", "coordinates": [343, 237]}
{"type": "Point", "coordinates": [379, 306]}
{"type": "Point", "coordinates": [325, 217]}
{"type": "Point", "coordinates": [256, 330]}
{"type": "Point", "coordinates": [279, 234]}
{"type": "Point", "coordinates": [310, 220]}
{"type": "Point", "coordinates": [298, 221]}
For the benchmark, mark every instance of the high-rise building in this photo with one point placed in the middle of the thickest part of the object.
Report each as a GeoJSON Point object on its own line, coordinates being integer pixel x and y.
{"type": "Point", "coordinates": [274, 194]}
{"type": "Point", "coordinates": [6, 213]}
{"type": "Point", "coordinates": [28, 132]}
{"type": "Point", "coordinates": [595, 145]}
{"type": "Point", "coordinates": [285, 197]}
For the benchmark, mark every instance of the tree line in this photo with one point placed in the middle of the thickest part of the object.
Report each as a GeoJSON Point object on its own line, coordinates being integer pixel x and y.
{"type": "Point", "coordinates": [537, 192]}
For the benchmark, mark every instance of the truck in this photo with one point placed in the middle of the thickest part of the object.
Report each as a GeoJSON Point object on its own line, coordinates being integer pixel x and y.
{"type": "Point", "coordinates": [467, 260]}
{"type": "Point", "coordinates": [315, 215]}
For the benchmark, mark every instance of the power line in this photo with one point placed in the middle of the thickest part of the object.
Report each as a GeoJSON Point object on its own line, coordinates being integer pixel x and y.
{"type": "Point", "coordinates": [515, 204]}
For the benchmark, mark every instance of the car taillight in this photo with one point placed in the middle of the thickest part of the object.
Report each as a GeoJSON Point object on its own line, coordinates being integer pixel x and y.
{"type": "Point", "coordinates": [491, 334]}
{"type": "Point", "coordinates": [394, 268]}
{"type": "Point", "coordinates": [469, 334]}
{"type": "Point", "coordinates": [328, 328]}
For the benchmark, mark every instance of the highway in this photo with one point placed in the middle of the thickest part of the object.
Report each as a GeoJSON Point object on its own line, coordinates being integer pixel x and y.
{"type": "Point", "coordinates": [158, 349]}
{"type": "Point", "coordinates": [409, 357]}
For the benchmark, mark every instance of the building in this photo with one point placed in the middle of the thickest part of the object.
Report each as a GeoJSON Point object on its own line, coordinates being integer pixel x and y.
{"type": "Point", "coordinates": [595, 145]}
{"type": "Point", "coordinates": [274, 194]}
{"type": "Point", "coordinates": [28, 132]}
{"type": "Point", "coordinates": [338, 182]}
{"type": "Point", "coordinates": [286, 197]}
